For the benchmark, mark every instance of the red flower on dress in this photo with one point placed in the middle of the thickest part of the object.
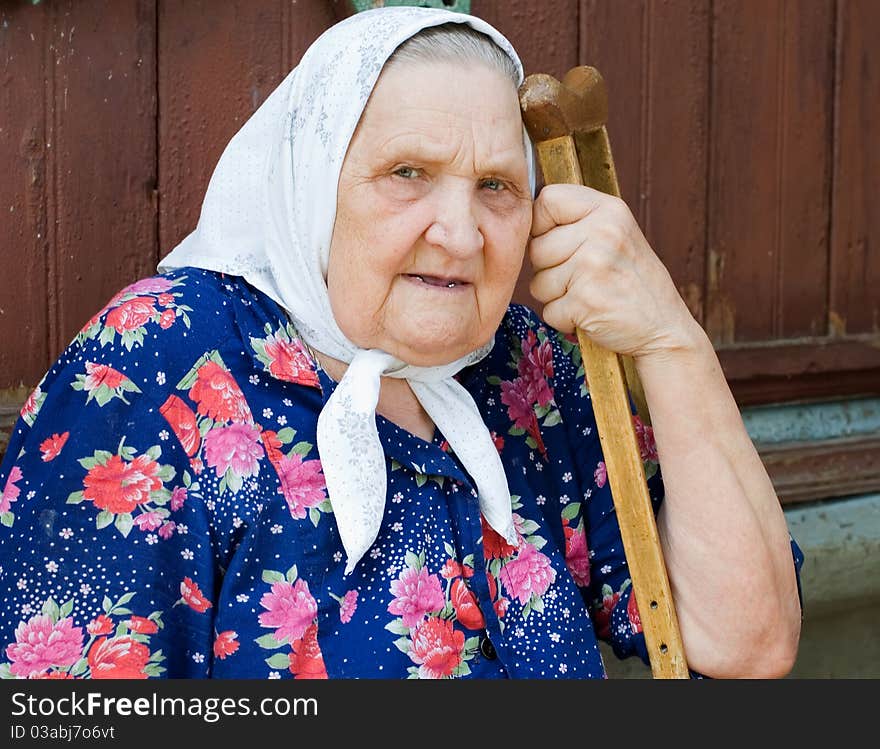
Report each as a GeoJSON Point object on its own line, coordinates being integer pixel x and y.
{"type": "Point", "coordinates": [182, 421]}
{"type": "Point", "coordinates": [450, 570]}
{"type": "Point", "coordinates": [118, 658]}
{"type": "Point", "coordinates": [632, 613]}
{"type": "Point", "coordinates": [100, 625]}
{"type": "Point", "coordinates": [142, 626]}
{"type": "Point", "coordinates": [166, 299]}
{"type": "Point", "coordinates": [166, 319]}
{"type": "Point", "coordinates": [306, 661]}
{"type": "Point", "coordinates": [602, 615]}
{"type": "Point", "coordinates": [131, 315]}
{"type": "Point", "coordinates": [467, 610]}
{"type": "Point", "coordinates": [225, 644]}
{"type": "Point", "coordinates": [51, 446]}
{"type": "Point", "coordinates": [272, 445]}
{"type": "Point", "coordinates": [288, 361]}
{"type": "Point", "coordinates": [100, 374]}
{"type": "Point", "coordinates": [117, 486]}
{"type": "Point", "coordinates": [494, 545]}
{"type": "Point", "coordinates": [436, 648]}
{"type": "Point", "coordinates": [193, 596]}
{"type": "Point", "coordinates": [217, 394]}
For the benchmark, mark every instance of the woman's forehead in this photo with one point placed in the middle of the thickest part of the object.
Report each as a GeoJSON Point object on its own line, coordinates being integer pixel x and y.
{"type": "Point", "coordinates": [430, 107]}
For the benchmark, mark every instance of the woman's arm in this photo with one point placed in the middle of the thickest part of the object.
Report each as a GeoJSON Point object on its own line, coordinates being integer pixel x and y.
{"type": "Point", "coordinates": [724, 536]}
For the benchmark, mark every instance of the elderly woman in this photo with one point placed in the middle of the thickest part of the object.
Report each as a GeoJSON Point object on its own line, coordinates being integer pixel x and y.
{"type": "Point", "coordinates": [322, 444]}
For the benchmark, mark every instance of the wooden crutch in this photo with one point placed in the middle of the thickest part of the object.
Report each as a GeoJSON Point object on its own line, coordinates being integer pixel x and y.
{"type": "Point", "coordinates": [566, 121]}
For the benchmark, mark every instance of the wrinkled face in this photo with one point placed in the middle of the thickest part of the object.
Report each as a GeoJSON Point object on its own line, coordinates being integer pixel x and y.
{"type": "Point", "coordinates": [433, 213]}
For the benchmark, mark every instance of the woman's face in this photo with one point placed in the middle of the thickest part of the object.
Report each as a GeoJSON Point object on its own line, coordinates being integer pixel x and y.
{"type": "Point", "coordinates": [433, 213]}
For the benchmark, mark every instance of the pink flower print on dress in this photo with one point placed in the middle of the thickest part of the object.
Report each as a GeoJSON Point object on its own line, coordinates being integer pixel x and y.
{"type": "Point", "coordinates": [153, 285]}
{"type": "Point", "coordinates": [577, 557]}
{"type": "Point", "coordinates": [41, 643]}
{"type": "Point", "coordinates": [514, 395]}
{"type": "Point", "coordinates": [535, 367]}
{"type": "Point", "coordinates": [348, 606]}
{"type": "Point", "coordinates": [645, 437]}
{"type": "Point", "coordinates": [520, 410]}
{"type": "Point", "coordinates": [290, 609]}
{"type": "Point", "coordinates": [237, 447]}
{"type": "Point", "coordinates": [528, 574]}
{"type": "Point", "coordinates": [148, 521]}
{"type": "Point", "coordinates": [10, 491]}
{"type": "Point", "coordinates": [302, 484]}
{"type": "Point", "coordinates": [217, 394]}
{"type": "Point", "coordinates": [178, 497]}
{"type": "Point", "coordinates": [417, 593]}
{"type": "Point", "coordinates": [436, 648]}
{"type": "Point", "coordinates": [600, 474]}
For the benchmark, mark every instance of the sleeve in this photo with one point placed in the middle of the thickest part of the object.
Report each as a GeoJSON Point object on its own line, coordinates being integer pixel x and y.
{"type": "Point", "coordinates": [108, 550]}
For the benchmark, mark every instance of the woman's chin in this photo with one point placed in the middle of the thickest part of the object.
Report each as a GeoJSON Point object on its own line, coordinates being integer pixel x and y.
{"type": "Point", "coordinates": [434, 351]}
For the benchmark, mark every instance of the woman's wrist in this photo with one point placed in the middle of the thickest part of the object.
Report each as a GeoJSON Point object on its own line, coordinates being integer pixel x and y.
{"type": "Point", "coordinates": [686, 344]}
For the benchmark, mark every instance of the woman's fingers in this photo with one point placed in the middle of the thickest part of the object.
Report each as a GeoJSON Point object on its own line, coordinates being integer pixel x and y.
{"type": "Point", "coordinates": [551, 283]}
{"type": "Point", "coordinates": [557, 245]}
{"type": "Point", "coordinates": [557, 205]}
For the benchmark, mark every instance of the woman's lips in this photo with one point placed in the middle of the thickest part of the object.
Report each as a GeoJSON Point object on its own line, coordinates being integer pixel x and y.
{"type": "Point", "coordinates": [443, 282]}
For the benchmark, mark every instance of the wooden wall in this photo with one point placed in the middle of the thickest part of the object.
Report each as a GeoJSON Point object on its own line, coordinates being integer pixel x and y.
{"type": "Point", "coordinates": [745, 135]}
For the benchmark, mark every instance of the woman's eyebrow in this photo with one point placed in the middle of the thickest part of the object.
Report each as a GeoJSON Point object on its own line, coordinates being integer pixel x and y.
{"type": "Point", "coordinates": [416, 148]}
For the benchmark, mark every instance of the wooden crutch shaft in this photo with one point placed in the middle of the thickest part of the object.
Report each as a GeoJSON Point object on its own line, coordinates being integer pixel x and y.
{"type": "Point", "coordinates": [597, 171]}
{"type": "Point", "coordinates": [560, 163]}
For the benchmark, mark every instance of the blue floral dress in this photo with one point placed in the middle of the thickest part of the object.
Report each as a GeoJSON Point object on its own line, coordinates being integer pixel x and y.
{"type": "Point", "coordinates": [164, 512]}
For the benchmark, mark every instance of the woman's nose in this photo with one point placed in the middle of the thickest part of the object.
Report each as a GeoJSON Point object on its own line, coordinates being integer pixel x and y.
{"type": "Point", "coordinates": [455, 227]}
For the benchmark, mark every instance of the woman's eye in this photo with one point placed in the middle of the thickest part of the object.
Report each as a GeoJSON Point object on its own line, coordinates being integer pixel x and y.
{"type": "Point", "coordinates": [407, 172]}
{"type": "Point", "coordinates": [492, 184]}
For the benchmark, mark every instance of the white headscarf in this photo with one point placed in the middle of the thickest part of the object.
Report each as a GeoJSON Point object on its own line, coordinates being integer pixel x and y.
{"type": "Point", "coordinates": [268, 216]}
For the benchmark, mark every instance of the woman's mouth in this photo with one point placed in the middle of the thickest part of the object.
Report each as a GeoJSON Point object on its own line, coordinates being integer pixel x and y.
{"type": "Point", "coordinates": [443, 282]}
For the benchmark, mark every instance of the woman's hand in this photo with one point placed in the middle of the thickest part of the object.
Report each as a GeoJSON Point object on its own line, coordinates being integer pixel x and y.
{"type": "Point", "coordinates": [595, 270]}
